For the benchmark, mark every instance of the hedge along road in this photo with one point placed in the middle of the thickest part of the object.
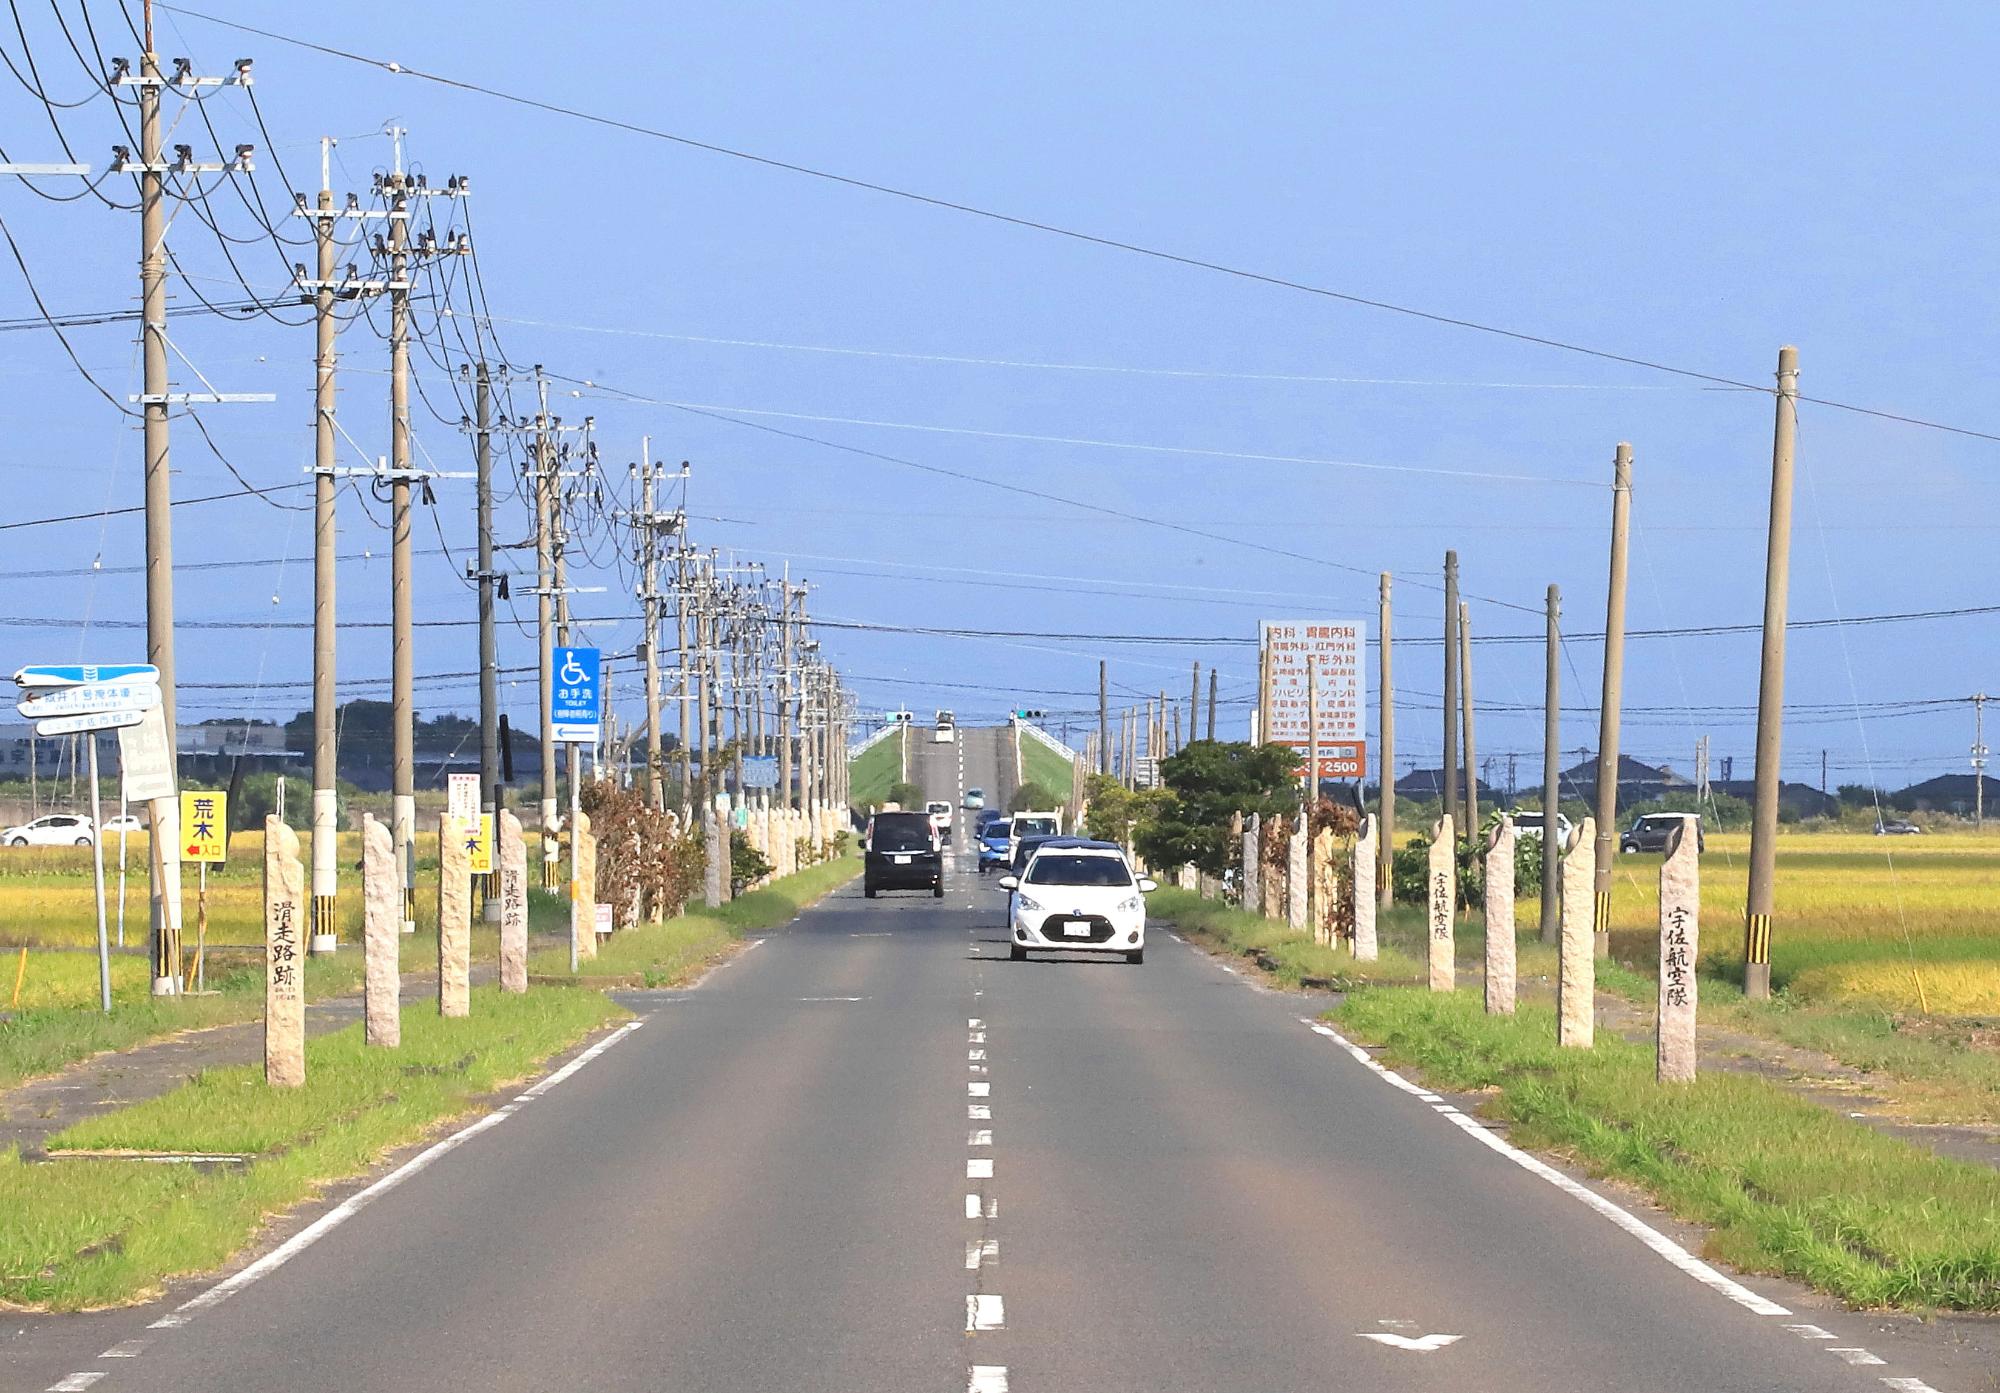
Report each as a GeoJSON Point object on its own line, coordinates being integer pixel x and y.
{"type": "Point", "coordinates": [873, 1153]}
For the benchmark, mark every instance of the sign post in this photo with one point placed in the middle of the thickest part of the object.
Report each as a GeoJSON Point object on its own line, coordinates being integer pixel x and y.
{"type": "Point", "coordinates": [97, 878]}
{"type": "Point", "coordinates": [205, 816]}
{"type": "Point", "coordinates": [1313, 676]}
{"type": "Point", "coordinates": [574, 714]}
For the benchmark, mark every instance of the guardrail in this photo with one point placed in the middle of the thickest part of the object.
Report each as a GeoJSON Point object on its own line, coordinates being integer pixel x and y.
{"type": "Point", "coordinates": [1047, 739]}
{"type": "Point", "coordinates": [881, 734]}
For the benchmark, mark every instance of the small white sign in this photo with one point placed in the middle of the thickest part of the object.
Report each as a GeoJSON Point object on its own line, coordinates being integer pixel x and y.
{"type": "Point", "coordinates": [604, 921]}
{"type": "Point", "coordinates": [462, 797]}
{"type": "Point", "coordinates": [88, 697]}
{"type": "Point", "coordinates": [95, 720]}
{"type": "Point", "coordinates": [146, 758]}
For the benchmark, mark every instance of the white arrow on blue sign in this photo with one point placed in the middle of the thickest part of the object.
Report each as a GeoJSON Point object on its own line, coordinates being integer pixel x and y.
{"type": "Point", "coordinates": [88, 698]}
{"type": "Point", "coordinates": [94, 720]}
{"type": "Point", "coordinates": [573, 699]}
{"type": "Point", "coordinates": [76, 674]}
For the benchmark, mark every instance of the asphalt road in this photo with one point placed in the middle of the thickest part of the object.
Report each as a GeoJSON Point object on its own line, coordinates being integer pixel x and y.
{"type": "Point", "coordinates": [872, 1155]}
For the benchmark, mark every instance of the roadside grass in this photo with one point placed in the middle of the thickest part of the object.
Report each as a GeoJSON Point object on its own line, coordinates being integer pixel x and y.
{"type": "Point", "coordinates": [877, 767]}
{"type": "Point", "coordinates": [82, 1234]}
{"type": "Point", "coordinates": [1292, 958]}
{"type": "Point", "coordinates": [1042, 765]}
{"type": "Point", "coordinates": [668, 953]}
{"type": "Point", "coordinates": [1785, 1186]}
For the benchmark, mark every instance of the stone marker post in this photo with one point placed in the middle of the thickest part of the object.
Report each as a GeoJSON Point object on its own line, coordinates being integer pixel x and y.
{"type": "Point", "coordinates": [284, 957]}
{"type": "Point", "coordinates": [1680, 942]}
{"type": "Point", "coordinates": [381, 933]}
{"type": "Point", "coordinates": [1250, 885]}
{"type": "Point", "coordinates": [1365, 853]}
{"type": "Point", "coordinates": [1576, 986]}
{"type": "Point", "coordinates": [1500, 919]}
{"type": "Point", "coordinates": [513, 905]}
{"type": "Point", "coordinates": [1323, 876]}
{"type": "Point", "coordinates": [1296, 881]}
{"type": "Point", "coordinates": [454, 922]}
{"type": "Point", "coordinates": [586, 888]}
{"type": "Point", "coordinates": [1441, 896]}
{"type": "Point", "coordinates": [711, 883]}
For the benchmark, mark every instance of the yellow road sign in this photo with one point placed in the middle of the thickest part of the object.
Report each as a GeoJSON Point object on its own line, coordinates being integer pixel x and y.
{"type": "Point", "coordinates": [478, 842]}
{"type": "Point", "coordinates": [204, 826]}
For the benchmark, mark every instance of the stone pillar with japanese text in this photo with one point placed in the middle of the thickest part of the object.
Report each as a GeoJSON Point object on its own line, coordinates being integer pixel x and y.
{"type": "Point", "coordinates": [381, 934]}
{"type": "Point", "coordinates": [284, 957]}
{"type": "Point", "coordinates": [1324, 875]}
{"type": "Point", "coordinates": [586, 881]}
{"type": "Point", "coordinates": [513, 852]}
{"type": "Point", "coordinates": [1500, 918]}
{"type": "Point", "coordinates": [1680, 943]}
{"type": "Point", "coordinates": [1441, 903]}
{"type": "Point", "coordinates": [1576, 980]}
{"type": "Point", "coordinates": [1363, 882]}
{"type": "Point", "coordinates": [1250, 880]}
{"type": "Point", "coordinates": [1297, 877]}
{"type": "Point", "coordinates": [454, 921]}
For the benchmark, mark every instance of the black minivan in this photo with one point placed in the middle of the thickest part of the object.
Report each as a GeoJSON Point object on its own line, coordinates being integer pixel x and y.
{"type": "Point", "coordinates": [901, 853]}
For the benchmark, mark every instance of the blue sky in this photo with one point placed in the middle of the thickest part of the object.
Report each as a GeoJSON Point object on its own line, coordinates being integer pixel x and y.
{"type": "Point", "coordinates": [1693, 185]}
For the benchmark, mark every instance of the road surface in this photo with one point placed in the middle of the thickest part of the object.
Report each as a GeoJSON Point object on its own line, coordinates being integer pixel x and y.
{"type": "Point", "coordinates": [872, 1155]}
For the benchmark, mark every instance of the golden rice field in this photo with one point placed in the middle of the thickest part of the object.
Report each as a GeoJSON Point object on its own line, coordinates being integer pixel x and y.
{"type": "Point", "coordinates": [1903, 923]}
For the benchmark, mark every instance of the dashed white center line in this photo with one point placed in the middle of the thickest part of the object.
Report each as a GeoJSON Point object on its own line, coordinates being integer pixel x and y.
{"type": "Point", "coordinates": [979, 1168]}
{"type": "Point", "coordinates": [975, 1054]}
{"type": "Point", "coordinates": [1909, 1385]}
{"type": "Point", "coordinates": [978, 1112]}
{"type": "Point", "coordinates": [1858, 1356]}
{"type": "Point", "coordinates": [125, 1349]}
{"type": "Point", "coordinates": [977, 1037]}
{"type": "Point", "coordinates": [76, 1383]}
{"type": "Point", "coordinates": [974, 1023]}
{"type": "Point", "coordinates": [984, 1311]}
{"type": "Point", "coordinates": [1810, 1332]}
{"type": "Point", "coordinates": [981, 1137]}
{"type": "Point", "coordinates": [987, 1378]}
{"type": "Point", "coordinates": [978, 1089]}
{"type": "Point", "coordinates": [981, 1250]}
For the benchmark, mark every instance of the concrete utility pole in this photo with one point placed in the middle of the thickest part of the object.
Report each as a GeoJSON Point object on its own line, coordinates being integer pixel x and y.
{"type": "Point", "coordinates": [1552, 847]}
{"type": "Point", "coordinates": [1771, 688]}
{"type": "Point", "coordinates": [1103, 718]}
{"type": "Point", "coordinates": [681, 594]}
{"type": "Point", "coordinates": [402, 664]}
{"type": "Point", "coordinates": [545, 594]}
{"type": "Point", "coordinates": [1448, 775]}
{"type": "Point", "coordinates": [649, 593]}
{"type": "Point", "coordinates": [1465, 712]}
{"type": "Point", "coordinates": [1194, 702]}
{"type": "Point", "coordinates": [1385, 842]}
{"type": "Point", "coordinates": [785, 795]}
{"type": "Point", "coordinates": [1211, 703]}
{"type": "Point", "coordinates": [1978, 762]}
{"type": "Point", "coordinates": [492, 795]}
{"type": "Point", "coordinates": [1614, 696]}
{"type": "Point", "coordinates": [325, 803]}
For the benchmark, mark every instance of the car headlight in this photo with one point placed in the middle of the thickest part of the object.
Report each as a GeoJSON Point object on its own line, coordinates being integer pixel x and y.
{"type": "Point", "coordinates": [1131, 905]}
{"type": "Point", "coordinates": [1026, 905]}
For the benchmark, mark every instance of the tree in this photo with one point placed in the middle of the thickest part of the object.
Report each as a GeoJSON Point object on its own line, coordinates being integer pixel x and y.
{"type": "Point", "coordinates": [1031, 798]}
{"type": "Point", "coordinates": [905, 794]}
{"type": "Point", "coordinates": [1211, 780]}
{"type": "Point", "coordinates": [1113, 811]}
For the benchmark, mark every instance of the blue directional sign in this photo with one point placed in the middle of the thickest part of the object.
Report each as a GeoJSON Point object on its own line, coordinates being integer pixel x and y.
{"type": "Point", "coordinates": [76, 674]}
{"type": "Point", "coordinates": [573, 699]}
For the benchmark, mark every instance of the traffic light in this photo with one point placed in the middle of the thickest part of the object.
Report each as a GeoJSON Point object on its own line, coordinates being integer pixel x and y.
{"type": "Point", "coordinates": [1029, 715]}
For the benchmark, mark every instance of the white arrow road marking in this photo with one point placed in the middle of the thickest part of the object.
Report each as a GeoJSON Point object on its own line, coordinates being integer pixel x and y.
{"type": "Point", "coordinates": [984, 1311]}
{"type": "Point", "coordinates": [1423, 1344]}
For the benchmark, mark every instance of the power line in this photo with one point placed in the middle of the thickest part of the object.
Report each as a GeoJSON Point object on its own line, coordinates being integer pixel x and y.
{"type": "Point", "coordinates": [140, 508]}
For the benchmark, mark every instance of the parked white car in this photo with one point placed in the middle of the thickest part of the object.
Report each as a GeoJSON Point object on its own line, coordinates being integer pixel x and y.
{"type": "Point", "coordinates": [57, 829]}
{"type": "Point", "coordinates": [1528, 823]}
{"type": "Point", "coordinates": [1076, 896]}
{"type": "Point", "coordinates": [127, 823]}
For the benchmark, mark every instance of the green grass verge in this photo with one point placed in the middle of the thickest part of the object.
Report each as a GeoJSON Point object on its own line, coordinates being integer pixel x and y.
{"type": "Point", "coordinates": [1785, 1185]}
{"type": "Point", "coordinates": [1042, 765]}
{"type": "Point", "coordinates": [1291, 958]}
{"type": "Point", "coordinates": [667, 953]}
{"type": "Point", "coordinates": [80, 1234]}
{"type": "Point", "coordinates": [870, 774]}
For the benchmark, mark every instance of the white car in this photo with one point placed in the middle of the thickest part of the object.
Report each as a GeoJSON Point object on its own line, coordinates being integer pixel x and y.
{"type": "Point", "coordinates": [124, 822]}
{"type": "Point", "coordinates": [1528, 823]}
{"type": "Point", "coordinates": [947, 729]}
{"type": "Point", "coordinates": [57, 829]}
{"type": "Point", "coordinates": [940, 815]}
{"type": "Point", "coordinates": [1027, 824]}
{"type": "Point", "coordinates": [1077, 896]}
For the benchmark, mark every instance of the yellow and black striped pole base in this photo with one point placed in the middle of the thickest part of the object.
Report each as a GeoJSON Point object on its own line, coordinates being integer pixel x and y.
{"type": "Point", "coordinates": [1757, 957]}
{"type": "Point", "coordinates": [323, 920]}
{"type": "Point", "coordinates": [1601, 923]}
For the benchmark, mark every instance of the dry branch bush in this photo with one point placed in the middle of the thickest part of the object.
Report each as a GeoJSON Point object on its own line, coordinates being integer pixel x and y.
{"type": "Point", "coordinates": [647, 866]}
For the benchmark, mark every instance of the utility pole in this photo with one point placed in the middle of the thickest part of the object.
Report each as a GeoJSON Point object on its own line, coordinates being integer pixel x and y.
{"type": "Point", "coordinates": [489, 660]}
{"type": "Point", "coordinates": [1385, 841]}
{"type": "Point", "coordinates": [1103, 718]}
{"type": "Point", "coordinates": [785, 691]}
{"type": "Point", "coordinates": [1448, 775]}
{"type": "Point", "coordinates": [1978, 762]}
{"type": "Point", "coordinates": [681, 595]}
{"type": "Point", "coordinates": [325, 802]}
{"type": "Point", "coordinates": [1465, 714]}
{"type": "Point", "coordinates": [1610, 706]}
{"type": "Point", "coordinates": [1771, 688]}
{"type": "Point", "coordinates": [1211, 703]}
{"type": "Point", "coordinates": [402, 665]}
{"type": "Point", "coordinates": [1194, 702]}
{"type": "Point", "coordinates": [1551, 774]}
{"type": "Point", "coordinates": [545, 593]}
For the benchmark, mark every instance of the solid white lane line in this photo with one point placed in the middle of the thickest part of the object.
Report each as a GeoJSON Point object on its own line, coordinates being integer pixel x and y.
{"type": "Point", "coordinates": [987, 1378]}
{"type": "Point", "coordinates": [979, 1168]}
{"type": "Point", "coordinates": [1666, 1247]}
{"type": "Point", "coordinates": [833, 998]}
{"type": "Point", "coordinates": [1857, 1356]}
{"type": "Point", "coordinates": [982, 1136]}
{"type": "Point", "coordinates": [360, 1200]}
{"type": "Point", "coordinates": [984, 1311]}
{"type": "Point", "coordinates": [76, 1383]}
{"type": "Point", "coordinates": [978, 1112]}
{"type": "Point", "coordinates": [978, 1090]}
{"type": "Point", "coordinates": [125, 1349]}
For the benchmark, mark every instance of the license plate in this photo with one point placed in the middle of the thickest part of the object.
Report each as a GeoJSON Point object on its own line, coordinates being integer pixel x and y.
{"type": "Point", "coordinates": [904, 860]}
{"type": "Point", "coordinates": [1076, 928]}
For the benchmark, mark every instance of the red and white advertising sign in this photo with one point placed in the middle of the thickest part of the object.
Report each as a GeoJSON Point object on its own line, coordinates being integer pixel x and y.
{"type": "Point", "coordinates": [1338, 649]}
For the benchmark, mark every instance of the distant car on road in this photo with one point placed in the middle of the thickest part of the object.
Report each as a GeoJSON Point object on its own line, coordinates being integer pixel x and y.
{"type": "Point", "coordinates": [947, 729]}
{"type": "Point", "coordinates": [124, 822]}
{"type": "Point", "coordinates": [993, 840]}
{"type": "Point", "coordinates": [940, 816]}
{"type": "Point", "coordinates": [57, 829]}
{"type": "Point", "coordinates": [900, 852]}
{"type": "Point", "coordinates": [1650, 831]}
{"type": "Point", "coordinates": [1897, 827]}
{"type": "Point", "coordinates": [975, 799]}
{"type": "Point", "coordinates": [987, 815]}
{"type": "Point", "coordinates": [1077, 895]}
{"type": "Point", "coordinates": [1027, 824]}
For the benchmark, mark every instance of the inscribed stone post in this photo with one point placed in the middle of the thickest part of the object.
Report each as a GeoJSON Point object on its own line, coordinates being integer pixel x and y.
{"type": "Point", "coordinates": [586, 882]}
{"type": "Point", "coordinates": [1363, 881]}
{"type": "Point", "coordinates": [1441, 899]}
{"type": "Point", "coordinates": [1273, 877]}
{"type": "Point", "coordinates": [1250, 883]}
{"type": "Point", "coordinates": [381, 933]}
{"type": "Point", "coordinates": [284, 984]}
{"type": "Point", "coordinates": [1297, 881]}
{"type": "Point", "coordinates": [513, 905]}
{"type": "Point", "coordinates": [1500, 919]}
{"type": "Point", "coordinates": [454, 925]}
{"type": "Point", "coordinates": [1576, 985]}
{"type": "Point", "coordinates": [711, 883]}
{"type": "Point", "coordinates": [1323, 874]}
{"type": "Point", "coordinates": [1680, 942]}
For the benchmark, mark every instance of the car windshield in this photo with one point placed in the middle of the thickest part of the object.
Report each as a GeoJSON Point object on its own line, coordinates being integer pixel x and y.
{"type": "Point", "coordinates": [1035, 826]}
{"type": "Point", "coordinates": [1062, 868]}
{"type": "Point", "coordinates": [996, 832]}
{"type": "Point", "coordinates": [901, 835]}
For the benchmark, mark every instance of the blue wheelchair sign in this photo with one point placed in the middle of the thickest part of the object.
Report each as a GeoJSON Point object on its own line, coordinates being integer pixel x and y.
{"type": "Point", "coordinates": [573, 698]}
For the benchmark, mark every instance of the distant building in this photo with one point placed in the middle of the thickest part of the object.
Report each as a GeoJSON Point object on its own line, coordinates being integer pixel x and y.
{"type": "Point", "coordinates": [1947, 793]}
